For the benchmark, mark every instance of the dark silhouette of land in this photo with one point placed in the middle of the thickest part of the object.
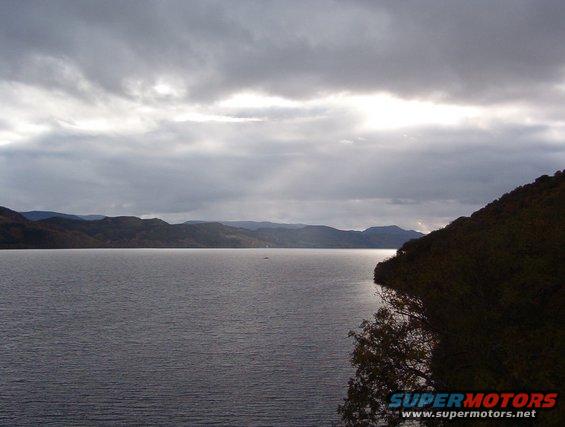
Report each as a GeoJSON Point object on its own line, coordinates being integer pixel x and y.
{"type": "Point", "coordinates": [477, 305]}
{"type": "Point", "coordinates": [55, 230]}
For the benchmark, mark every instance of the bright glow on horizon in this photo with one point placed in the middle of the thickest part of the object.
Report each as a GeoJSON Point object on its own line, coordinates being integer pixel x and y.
{"type": "Point", "coordinates": [385, 112]}
{"type": "Point", "coordinates": [256, 100]}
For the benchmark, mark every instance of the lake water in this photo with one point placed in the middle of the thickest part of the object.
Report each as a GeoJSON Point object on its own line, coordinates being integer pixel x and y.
{"type": "Point", "coordinates": [181, 336]}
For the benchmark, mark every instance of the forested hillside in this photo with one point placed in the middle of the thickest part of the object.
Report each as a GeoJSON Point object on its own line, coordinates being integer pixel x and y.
{"type": "Point", "coordinates": [57, 230]}
{"type": "Point", "coordinates": [486, 292]}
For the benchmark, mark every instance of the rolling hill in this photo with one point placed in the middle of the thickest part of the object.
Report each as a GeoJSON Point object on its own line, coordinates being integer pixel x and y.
{"type": "Point", "coordinates": [68, 231]}
{"type": "Point", "coordinates": [39, 215]}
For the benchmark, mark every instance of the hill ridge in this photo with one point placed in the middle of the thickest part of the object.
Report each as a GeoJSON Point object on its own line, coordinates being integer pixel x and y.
{"type": "Point", "coordinates": [62, 230]}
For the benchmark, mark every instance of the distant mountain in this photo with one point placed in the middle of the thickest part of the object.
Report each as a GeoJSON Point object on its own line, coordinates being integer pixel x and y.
{"type": "Point", "coordinates": [393, 230]}
{"type": "Point", "coordinates": [253, 225]}
{"type": "Point", "coordinates": [91, 217]}
{"type": "Point", "coordinates": [17, 232]}
{"type": "Point", "coordinates": [390, 235]}
{"type": "Point", "coordinates": [9, 216]}
{"type": "Point", "coordinates": [320, 236]}
{"type": "Point", "coordinates": [138, 233]}
{"type": "Point", "coordinates": [39, 215]}
{"type": "Point", "coordinates": [72, 231]}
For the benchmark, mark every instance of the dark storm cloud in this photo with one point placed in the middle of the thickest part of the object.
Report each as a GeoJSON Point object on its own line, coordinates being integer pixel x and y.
{"type": "Point", "coordinates": [480, 50]}
{"type": "Point", "coordinates": [126, 107]}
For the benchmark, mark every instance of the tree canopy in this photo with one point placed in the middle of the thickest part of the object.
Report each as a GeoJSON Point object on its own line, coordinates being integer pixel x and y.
{"type": "Point", "coordinates": [485, 298]}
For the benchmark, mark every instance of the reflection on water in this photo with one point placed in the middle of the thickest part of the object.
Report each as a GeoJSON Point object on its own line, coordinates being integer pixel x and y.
{"type": "Point", "coordinates": [223, 336]}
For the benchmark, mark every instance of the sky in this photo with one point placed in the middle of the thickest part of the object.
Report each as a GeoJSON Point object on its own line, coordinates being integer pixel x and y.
{"type": "Point", "coordinates": [350, 114]}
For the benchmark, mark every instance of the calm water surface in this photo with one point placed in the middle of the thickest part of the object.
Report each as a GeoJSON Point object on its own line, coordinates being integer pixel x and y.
{"type": "Point", "coordinates": [195, 336]}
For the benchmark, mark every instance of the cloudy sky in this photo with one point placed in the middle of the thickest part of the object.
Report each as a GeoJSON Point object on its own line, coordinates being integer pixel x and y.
{"type": "Point", "coordinates": [346, 113]}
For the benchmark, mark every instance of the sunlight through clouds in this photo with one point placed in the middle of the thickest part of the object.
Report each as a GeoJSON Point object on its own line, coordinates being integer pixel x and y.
{"type": "Point", "coordinates": [365, 113]}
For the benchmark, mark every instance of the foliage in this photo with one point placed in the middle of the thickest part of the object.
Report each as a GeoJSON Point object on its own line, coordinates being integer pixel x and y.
{"type": "Point", "coordinates": [491, 291]}
{"type": "Point", "coordinates": [392, 353]}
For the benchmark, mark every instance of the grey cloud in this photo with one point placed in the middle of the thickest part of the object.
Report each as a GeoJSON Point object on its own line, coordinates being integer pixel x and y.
{"type": "Point", "coordinates": [469, 51]}
{"type": "Point", "coordinates": [290, 178]}
{"type": "Point", "coordinates": [305, 162]}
